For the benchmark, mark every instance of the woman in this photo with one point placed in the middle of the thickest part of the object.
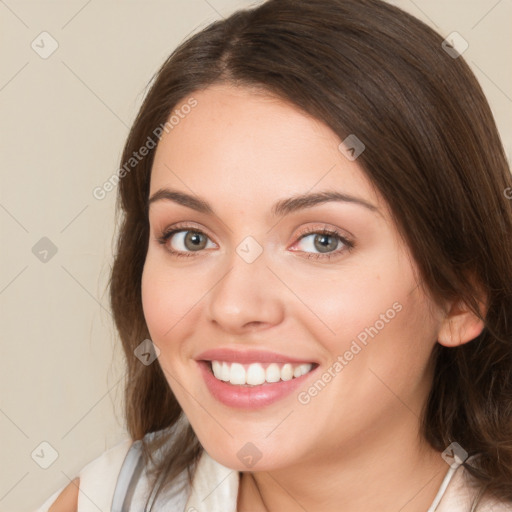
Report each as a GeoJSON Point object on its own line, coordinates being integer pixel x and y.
{"type": "Point", "coordinates": [313, 278]}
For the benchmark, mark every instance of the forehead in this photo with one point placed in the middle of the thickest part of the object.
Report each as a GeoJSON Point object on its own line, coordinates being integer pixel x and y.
{"type": "Point", "coordinates": [245, 145]}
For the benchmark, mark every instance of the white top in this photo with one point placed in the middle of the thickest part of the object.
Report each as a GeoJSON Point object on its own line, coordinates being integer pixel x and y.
{"type": "Point", "coordinates": [214, 487]}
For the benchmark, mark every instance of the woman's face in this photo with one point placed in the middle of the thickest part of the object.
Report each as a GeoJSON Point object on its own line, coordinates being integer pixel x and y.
{"type": "Point", "coordinates": [263, 278]}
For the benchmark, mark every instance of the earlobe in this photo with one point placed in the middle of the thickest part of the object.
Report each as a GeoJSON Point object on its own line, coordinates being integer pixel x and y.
{"type": "Point", "coordinates": [459, 326]}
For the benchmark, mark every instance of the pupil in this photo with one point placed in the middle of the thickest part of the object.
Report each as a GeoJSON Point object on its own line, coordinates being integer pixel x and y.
{"type": "Point", "coordinates": [324, 242]}
{"type": "Point", "coordinates": [194, 238]}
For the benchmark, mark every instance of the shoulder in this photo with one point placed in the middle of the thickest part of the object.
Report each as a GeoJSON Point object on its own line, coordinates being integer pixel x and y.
{"type": "Point", "coordinates": [489, 504]}
{"type": "Point", "coordinates": [67, 501]}
{"type": "Point", "coordinates": [110, 460]}
{"type": "Point", "coordinates": [463, 492]}
{"type": "Point", "coordinates": [493, 505]}
{"type": "Point", "coordinates": [99, 479]}
{"type": "Point", "coordinates": [96, 480]}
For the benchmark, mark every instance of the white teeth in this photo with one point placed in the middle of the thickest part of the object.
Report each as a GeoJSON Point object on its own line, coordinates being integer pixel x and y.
{"type": "Point", "coordinates": [225, 372]}
{"type": "Point", "coordinates": [287, 372]}
{"type": "Point", "coordinates": [255, 374]}
{"type": "Point", "coordinates": [273, 373]}
{"type": "Point", "coordinates": [237, 374]}
{"type": "Point", "coordinates": [217, 369]}
{"type": "Point", "coordinates": [305, 368]}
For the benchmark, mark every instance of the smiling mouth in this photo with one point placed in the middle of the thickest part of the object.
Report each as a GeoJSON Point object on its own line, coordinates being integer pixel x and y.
{"type": "Point", "coordinates": [257, 374]}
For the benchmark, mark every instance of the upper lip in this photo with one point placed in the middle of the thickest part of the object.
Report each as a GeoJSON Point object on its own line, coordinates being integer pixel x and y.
{"type": "Point", "coordinates": [248, 356]}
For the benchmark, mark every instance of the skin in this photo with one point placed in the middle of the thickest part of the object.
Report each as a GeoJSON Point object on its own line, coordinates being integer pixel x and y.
{"type": "Point", "coordinates": [67, 501]}
{"type": "Point", "coordinates": [241, 151]}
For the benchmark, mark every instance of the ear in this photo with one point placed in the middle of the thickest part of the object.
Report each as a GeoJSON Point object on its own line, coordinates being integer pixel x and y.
{"type": "Point", "coordinates": [460, 325]}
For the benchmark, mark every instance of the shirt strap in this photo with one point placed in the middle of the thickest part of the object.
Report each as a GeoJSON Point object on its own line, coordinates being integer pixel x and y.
{"type": "Point", "coordinates": [129, 475]}
{"type": "Point", "coordinates": [442, 489]}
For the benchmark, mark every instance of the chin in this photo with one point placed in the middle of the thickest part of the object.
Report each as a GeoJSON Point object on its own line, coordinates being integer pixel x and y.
{"type": "Point", "coordinates": [246, 456]}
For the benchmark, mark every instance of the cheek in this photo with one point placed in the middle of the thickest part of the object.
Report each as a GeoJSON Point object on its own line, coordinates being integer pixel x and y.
{"type": "Point", "coordinates": [381, 362]}
{"type": "Point", "coordinates": [367, 295]}
{"type": "Point", "coordinates": [167, 298]}
{"type": "Point", "coordinates": [343, 308]}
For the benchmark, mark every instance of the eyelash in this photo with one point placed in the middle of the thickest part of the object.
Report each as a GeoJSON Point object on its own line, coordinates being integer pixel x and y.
{"type": "Point", "coordinates": [349, 245]}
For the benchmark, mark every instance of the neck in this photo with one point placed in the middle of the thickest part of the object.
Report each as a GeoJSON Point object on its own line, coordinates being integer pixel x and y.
{"type": "Point", "coordinates": [397, 472]}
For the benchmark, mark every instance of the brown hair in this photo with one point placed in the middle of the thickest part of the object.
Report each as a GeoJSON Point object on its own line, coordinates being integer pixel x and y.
{"type": "Point", "coordinates": [433, 152]}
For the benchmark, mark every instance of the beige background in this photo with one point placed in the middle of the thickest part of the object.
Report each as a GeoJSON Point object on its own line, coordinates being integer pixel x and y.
{"type": "Point", "coordinates": [64, 120]}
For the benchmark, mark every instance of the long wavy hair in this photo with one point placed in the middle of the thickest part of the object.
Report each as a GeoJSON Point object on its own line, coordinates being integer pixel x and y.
{"type": "Point", "coordinates": [432, 151]}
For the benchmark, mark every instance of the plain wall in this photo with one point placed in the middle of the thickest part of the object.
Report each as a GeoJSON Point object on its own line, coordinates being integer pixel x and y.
{"type": "Point", "coordinates": [64, 120]}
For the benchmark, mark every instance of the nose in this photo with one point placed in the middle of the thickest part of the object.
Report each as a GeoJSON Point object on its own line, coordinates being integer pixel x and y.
{"type": "Point", "coordinates": [249, 296]}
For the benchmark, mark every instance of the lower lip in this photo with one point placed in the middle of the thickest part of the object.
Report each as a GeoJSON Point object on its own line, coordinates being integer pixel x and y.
{"type": "Point", "coordinates": [249, 397]}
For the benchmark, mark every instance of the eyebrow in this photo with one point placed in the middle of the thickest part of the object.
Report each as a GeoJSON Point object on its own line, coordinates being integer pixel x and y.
{"type": "Point", "coordinates": [280, 208]}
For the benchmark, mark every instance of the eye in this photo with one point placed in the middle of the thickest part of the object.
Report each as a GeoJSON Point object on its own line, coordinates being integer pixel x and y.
{"type": "Point", "coordinates": [184, 242]}
{"type": "Point", "coordinates": [326, 242]}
